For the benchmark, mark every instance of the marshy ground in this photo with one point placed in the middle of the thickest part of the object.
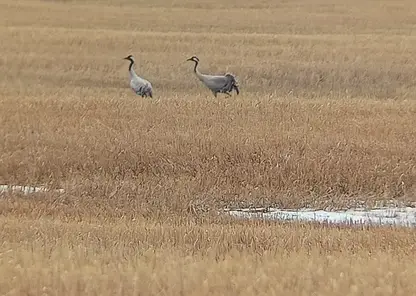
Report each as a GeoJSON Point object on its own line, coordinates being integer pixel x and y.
{"type": "Point", "coordinates": [325, 118]}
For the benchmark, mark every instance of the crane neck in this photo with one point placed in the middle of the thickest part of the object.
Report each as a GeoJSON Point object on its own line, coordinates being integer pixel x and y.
{"type": "Point", "coordinates": [131, 70]}
{"type": "Point", "coordinates": [196, 69]}
{"type": "Point", "coordinates": [131, 64]}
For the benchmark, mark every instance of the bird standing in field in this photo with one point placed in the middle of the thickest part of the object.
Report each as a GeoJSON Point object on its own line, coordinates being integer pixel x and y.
{"type": "Point", "coordinates": [218, 83]}
{"type": "Point", "coordinates": [140, 86]}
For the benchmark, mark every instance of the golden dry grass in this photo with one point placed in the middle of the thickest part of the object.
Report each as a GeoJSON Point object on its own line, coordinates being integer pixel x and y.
{"type": "Point", "coordinates": [325, 118]}
{"type": "Point", "coordinates": [145, 258]}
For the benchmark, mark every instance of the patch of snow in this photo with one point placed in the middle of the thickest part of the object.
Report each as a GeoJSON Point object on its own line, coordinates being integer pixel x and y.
{"type": "Point", "coordinates": [405, 216]}
{"type": "Point", "coordinates": [25, 189]}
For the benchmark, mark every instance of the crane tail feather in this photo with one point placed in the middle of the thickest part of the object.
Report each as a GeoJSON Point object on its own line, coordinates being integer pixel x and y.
{"type": "Point", "coordinates": [232, 84]}
{"type": "Point", "coordinates": [236, 89]}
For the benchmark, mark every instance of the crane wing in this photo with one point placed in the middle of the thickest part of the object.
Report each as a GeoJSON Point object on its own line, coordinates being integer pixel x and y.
{"type": "Point", "coordinates": [221, 83]}
{"type": "Point", "coordinates": [215, 82]}
{"type": "Point", "coordinates": [140, 86]}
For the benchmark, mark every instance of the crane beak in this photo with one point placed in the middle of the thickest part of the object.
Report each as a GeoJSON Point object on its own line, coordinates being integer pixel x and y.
{"type": "Point", "coordinates": [190, 59]}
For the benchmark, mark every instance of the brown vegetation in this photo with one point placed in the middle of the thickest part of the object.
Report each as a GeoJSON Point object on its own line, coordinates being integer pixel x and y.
{"type": "Point", "coordinates": [325, 118]}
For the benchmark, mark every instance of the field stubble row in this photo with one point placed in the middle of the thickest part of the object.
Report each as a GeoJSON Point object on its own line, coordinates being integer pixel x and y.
{"type": "Point", "coordinates": [287, 152]}
{"type": "Point", "coordinates": [325, 118]}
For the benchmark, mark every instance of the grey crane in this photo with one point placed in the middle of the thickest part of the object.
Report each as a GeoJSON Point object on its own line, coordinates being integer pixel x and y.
{"type": "Point", "coordinates": [218, 83]}
{"type": "Point", "coordinates": [140, 86]}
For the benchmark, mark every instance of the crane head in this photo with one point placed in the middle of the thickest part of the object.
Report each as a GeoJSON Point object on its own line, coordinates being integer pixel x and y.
{"type": "Point", "coordinates": [194, 59]}
{"type": "Point", "coordinates": [129, 57]}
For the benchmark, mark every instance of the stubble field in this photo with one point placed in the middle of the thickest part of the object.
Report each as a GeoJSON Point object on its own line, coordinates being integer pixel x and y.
{"type": "Point", "coordinates": [325, 118]}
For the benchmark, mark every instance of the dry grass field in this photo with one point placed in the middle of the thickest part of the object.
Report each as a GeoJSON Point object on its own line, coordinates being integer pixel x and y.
{"type": "Point", "coordinates": [325, 118]}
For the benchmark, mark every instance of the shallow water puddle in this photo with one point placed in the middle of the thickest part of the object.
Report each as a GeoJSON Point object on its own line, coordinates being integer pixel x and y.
{"type": "Point", "coordinates": [405, 216]}
{"type": "Point", "coordinates": [26, 189]}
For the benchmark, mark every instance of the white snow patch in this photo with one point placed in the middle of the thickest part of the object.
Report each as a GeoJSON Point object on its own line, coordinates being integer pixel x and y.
{"type": "Point", "coordinates": [25, 189]}
{"type": "Point", "coordinates": [405, 216]}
